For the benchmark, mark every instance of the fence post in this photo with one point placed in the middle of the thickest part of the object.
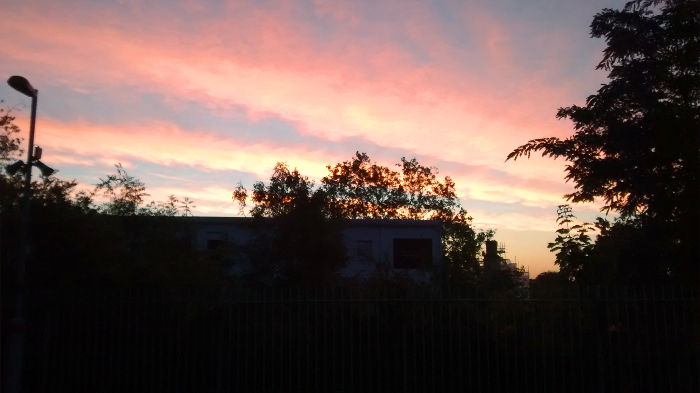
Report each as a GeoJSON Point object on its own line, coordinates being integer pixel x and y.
{"type": "Point", "coordinates": [598, 309]}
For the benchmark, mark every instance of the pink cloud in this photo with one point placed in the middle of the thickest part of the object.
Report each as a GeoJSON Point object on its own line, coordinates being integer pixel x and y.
{"type": "Point", "coordinates": [405, 83]}
{"type": "Point", "coordinates": [63, 159]}
{"type": "Point", "coordinates": [280, 70]}
{"type": "Point", "coordinates": [166, 144]}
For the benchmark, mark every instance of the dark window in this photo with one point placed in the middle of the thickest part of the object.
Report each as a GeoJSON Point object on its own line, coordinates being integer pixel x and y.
{"type": "Point", "coordinates": [215, 240]}
{"type": "Point", "coordinates": [213, 244]}
{"type": "Point", "coordinates": [413, 253]}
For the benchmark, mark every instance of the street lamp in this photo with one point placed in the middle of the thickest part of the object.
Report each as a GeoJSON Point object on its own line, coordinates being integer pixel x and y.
{"type": "Point", "coordinates": [16, 338]}
{"type": "Point", "coordinates": [22, 85]}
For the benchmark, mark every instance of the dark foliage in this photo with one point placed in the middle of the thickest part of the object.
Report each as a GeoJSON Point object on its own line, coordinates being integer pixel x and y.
{"type": "Point", "coordinates": [299, 239]}
{"type": "Point", "coordinates": [572, 244]}
{"type": "Point", "coordinates": [9, 141]}
{"type": "Point", "coordinates": [74, 242]}
{"type": "Point", "coordinates": [637, 140]}
{"type": "Point", "coordinates": [361, 188]}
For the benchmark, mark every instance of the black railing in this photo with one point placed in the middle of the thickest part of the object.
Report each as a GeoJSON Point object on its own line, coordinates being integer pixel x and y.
{"type": "Point", "coordinates": [357, 341]}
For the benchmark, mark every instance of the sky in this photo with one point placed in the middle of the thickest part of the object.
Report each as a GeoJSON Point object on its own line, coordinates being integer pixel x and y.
{"type": "Point", "coordinates": [193, 97]}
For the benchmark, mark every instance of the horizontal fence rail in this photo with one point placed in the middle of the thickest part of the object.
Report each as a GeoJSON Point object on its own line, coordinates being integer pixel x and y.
{"type": "Point", "coordinates": [357, 341]}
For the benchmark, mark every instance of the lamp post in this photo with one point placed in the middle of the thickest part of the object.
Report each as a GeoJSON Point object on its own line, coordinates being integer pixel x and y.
{"type": "Point", "coordinates": [15, 354]}
{"type": "Point", "coordinates": [22, 85]}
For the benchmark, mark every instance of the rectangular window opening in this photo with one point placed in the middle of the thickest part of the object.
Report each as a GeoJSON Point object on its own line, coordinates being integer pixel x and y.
{"type": "Point", "coordinates": [413, 253]}
{"type": "Point", "coordinates": [215, 240]}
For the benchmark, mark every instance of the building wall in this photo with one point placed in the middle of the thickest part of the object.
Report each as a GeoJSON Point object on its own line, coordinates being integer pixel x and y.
{"type": "Point", "coordinates": [238, 232]}
{"type": "Point", "coordinates": [371, 245]}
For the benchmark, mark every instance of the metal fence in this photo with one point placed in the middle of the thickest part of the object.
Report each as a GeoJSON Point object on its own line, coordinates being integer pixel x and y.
{"type": "Point", "coordinates": [360, 341]}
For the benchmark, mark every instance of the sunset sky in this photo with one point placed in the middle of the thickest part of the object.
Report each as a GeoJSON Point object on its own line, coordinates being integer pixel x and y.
{"type": "Point", "coordinates": [193, 97]}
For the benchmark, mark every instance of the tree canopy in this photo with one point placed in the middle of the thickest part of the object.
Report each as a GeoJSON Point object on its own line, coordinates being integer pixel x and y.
{"type": "Point", "coordinates": [361, 188]}
{"type": "Point", "coordinates": [637, 140]}
{"type": "Point", "coordinates": [126, 197]}
{"type": "Point", "coordinates": [573, 243]}
{"type": "Point", "coordinates": [9, 139]}
{"type": "Point", "coordinates": [298, 244]}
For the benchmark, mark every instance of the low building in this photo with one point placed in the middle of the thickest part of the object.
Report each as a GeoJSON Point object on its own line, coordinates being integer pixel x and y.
{"type": "Point", "coordinates": [410, 248]}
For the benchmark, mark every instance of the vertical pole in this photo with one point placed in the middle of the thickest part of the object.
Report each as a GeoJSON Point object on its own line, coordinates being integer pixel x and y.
{"type": "Point", "coordinates": [15, 351]}
{"type": "Point", "coordinates": [26, 217]}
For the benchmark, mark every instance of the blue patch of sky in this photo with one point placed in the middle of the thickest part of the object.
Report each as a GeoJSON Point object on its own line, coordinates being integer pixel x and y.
{"type": "Point", "coordinates": [459, 36]}
{"type": "Point", "coordinates": [86, 174]}
{"type": "Point", "coordinates": [567, 15]}
{"type": "Point", "coordinates": [569, 19]}
{"type": "Point", "coordinates": [448, 17]}
{"type": "Point", "coordinates": [152, 174]}
{"type": "Point", "coordinates": [120, 106]}
{"type": "Point", "coordinates": [164, 9]}
{"type": "Point", "coordinates": [373, 17]}
{"type": "Point", "coordinates": [192, 177]}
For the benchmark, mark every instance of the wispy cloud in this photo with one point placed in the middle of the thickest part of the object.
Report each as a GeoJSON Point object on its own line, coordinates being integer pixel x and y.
{"type": "Point", "coordinates": [166, 144]}
{"type": "Point", "coordinates": [457, 83]}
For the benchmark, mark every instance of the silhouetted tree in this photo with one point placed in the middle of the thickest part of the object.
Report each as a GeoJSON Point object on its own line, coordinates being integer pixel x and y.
{"type": "Point", "coordinates": [47, 191]}
{"type": "Point", "coordinates": [9, 139]}
{"type": "Point", "coordinates": [360, 188]}
{"type": "Point", "coordinates": [461, 247]}
{"type": "Point", "coordinates": [629, 252]}
{"type": "Point", "coordinates": [572, 245]}
{"type": "Point", "coordinates": [75, 242]}
{"type": "Point", "coordinates": [304, 245]}
{"type": "Point", "coordinates": [637, 140]}
{"type": "Point", "coordinates": [549, 285]}
{"type": "Point", "coordinates": [173, 206]}
{"type": "Point", "coordinates": [125, 193]}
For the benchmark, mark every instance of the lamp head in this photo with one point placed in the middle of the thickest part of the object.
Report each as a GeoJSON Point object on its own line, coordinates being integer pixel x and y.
{"type": "Point", "coordinates": [14, 168]}
{"type": "Point", "coordinates": [22, 85]}
{"type": "Point", "coordinates": [46, 171]}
